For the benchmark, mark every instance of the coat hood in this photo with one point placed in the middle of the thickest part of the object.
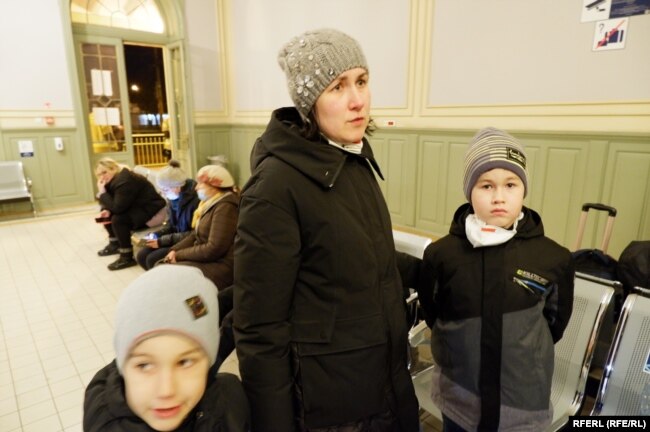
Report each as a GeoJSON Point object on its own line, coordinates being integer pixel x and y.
{"type": "Point", "coordinates": [317, 160]}
{"type": "Point", "coordinates": [530, 226]}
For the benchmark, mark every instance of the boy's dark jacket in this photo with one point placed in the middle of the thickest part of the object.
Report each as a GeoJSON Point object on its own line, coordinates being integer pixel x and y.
{"type": "Point", "coordinates": [496, 312]}
{"type": "Point", "coordinates": [223, 408]}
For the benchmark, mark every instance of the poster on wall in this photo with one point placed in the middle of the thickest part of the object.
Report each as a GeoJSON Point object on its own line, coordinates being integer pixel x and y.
{"type": "Point", "coordinates": [610, 34]}
{"type": "Point", "coordinates": [595, 10]}
{"type": "Point", "coordinates": [626, 8]}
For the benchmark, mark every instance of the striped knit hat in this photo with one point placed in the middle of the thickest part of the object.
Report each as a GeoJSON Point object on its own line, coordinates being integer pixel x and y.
{"type": "Point", "coordinates": [493, 148]}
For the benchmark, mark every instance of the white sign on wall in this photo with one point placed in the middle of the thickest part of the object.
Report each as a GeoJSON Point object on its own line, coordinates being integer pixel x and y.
{"type": "Point", "coordinates": [610, 34]}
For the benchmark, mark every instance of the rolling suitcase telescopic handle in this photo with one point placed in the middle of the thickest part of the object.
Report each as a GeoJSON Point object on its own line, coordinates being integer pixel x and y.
{"type": "Point", "coordinates": [608, 227]}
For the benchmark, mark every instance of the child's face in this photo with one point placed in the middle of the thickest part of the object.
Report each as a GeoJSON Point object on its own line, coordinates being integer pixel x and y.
{"type": "Point", "coordinates": [497, 197]}
{"type": "Point", "coordinates": [165, 377]}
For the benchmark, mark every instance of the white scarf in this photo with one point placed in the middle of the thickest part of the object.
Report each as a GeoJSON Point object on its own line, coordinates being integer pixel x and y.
{"type": "Point", "coordinates": [350, 148]}
{"type": "Point", "coordinates": [481, 234]}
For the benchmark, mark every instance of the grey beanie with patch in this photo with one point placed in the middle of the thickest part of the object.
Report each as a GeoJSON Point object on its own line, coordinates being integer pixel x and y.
{"type": "Point", "coordinates": [493, 148]}
{"type": "Point", "coordinates": [167, 299]}
{"type": "Point", "coordinates": [313, 60]}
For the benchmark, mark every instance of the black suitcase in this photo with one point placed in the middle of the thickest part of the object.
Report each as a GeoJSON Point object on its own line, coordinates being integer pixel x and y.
{"type": "Point", "coordinates": [596, 262]}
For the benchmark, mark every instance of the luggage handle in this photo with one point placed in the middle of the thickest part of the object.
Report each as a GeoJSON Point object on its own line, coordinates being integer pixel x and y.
{"type": "Point", "coordinates": [597, 206]}
{"type": "Point", "coordinates": [583, 222]}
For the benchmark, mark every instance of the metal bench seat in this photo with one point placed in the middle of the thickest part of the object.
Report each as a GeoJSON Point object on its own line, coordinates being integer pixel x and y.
{"type": "Point", "coordinates": [14, 186]}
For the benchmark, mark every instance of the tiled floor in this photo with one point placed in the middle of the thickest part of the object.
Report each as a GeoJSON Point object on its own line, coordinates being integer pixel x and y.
{"type": "Point", "coordinates": [56, 310]}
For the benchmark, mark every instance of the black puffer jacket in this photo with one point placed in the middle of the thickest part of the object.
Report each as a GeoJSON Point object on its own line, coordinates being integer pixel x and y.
{"type": "Point", "coordinates": [496, 312]}
{"type": "Point", "coordinates": [318, 308]}
{"type": "Point", "coordinates": [223, 407]}
{"type": "Point", "coordinates": [132, 194]}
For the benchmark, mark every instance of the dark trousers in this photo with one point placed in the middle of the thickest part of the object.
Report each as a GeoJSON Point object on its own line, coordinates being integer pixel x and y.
{"type": "Point", "coordinates": [148, 257]}
{"type": "Point", "coordinates": [449, 426]}
{"type": "Point", "coordinates": [120, 228]}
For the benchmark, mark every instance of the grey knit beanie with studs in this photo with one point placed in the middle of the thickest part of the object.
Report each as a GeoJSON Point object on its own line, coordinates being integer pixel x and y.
{"type": "Point", "coordinates": [313, 60]}
{"type": "Point", "coordinates": [167, 299]}
{"type": "Point", "coordinates": [171, 176]}
{"type": "Point", "coordinates": [493, 148]}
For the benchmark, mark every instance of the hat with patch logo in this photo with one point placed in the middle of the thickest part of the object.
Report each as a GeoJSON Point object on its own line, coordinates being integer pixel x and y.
{"type": "Point", "coordinates": [167, 299]}
{"type": "Point", "coordinates": [493, 148]}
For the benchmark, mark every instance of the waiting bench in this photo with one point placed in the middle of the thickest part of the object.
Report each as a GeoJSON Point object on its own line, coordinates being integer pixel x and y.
{"type": "Point", "coordinates": [14, 186]}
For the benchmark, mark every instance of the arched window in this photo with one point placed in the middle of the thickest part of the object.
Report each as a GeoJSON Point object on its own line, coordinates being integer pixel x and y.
{"type": "Point", "coordinates": [140, 15]}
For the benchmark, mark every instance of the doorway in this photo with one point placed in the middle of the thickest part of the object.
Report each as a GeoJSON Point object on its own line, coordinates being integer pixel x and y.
{"type": "Point", "coordinates": [133, 91]}
{"type": "Point", "coordinates": [149, 116]}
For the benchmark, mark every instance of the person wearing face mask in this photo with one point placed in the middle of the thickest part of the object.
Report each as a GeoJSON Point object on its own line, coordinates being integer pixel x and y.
{"type": "Point", "coordinates": [179, 190]}
{"type": "Point", "coordinates": [209, 246]}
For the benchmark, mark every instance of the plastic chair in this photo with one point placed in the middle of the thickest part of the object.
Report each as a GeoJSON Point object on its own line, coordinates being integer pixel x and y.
{"type": "Point", "coordinates": [627, 369]}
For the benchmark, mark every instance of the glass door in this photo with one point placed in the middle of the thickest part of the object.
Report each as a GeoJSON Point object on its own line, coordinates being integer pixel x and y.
{"type": "Point", "coordinates": [180, 126]}
{"type": "Point", "coordinates": [107, 103]}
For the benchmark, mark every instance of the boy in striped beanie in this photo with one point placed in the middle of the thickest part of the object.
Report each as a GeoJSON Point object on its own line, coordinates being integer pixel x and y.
{"type": "Point", "coordinates": [497, 294]}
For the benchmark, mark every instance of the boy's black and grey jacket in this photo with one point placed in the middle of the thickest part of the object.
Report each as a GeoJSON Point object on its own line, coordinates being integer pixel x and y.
{"type": "Point", "coordinates": [496, 313]}
{"type": "Point", "coordinates": [223, 408]}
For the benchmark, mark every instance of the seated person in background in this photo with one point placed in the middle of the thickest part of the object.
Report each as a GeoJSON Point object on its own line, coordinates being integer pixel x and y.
{"type": "Point", "coordinates": [163, 377]}
{"type": "Point", "coordinates": [210, 246]}
{"type": "Point", "coordinates": [181, 204]}
{"type": "Point", "coordinates": [129, 202]}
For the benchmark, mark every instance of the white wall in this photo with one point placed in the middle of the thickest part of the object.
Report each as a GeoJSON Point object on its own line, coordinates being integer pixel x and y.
{"type": "Point", "coordinates": [33, 66]}
{"type": "Point", "coordinates": [534, 51]}
{"type": "Point", "coordinates": [261, 27]}
{"type": "Point", "coordinates": [205, 54]}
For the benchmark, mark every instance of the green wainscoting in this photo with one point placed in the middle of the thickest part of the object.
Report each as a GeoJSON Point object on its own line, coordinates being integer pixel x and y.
{"type": "Point", "coordinates": [423, 172]}
{"type": "Point", "coordinates": [59, 178]}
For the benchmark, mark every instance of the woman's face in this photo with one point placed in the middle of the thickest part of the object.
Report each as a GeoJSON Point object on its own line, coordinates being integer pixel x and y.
{"type": "Point", "coordinates": [342, 111]}
{"type": "Point", "coordinates": [205, 191]}
{"type": "Point", "coordinates": [104, 174]}
{"type": "Point", "coordinates": [171, 193]}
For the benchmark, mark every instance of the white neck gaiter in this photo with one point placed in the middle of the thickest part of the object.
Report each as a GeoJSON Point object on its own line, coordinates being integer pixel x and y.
{"type": "Point", "coordinates": [350, 148]}
{"type": "Point", "coordinates": [481, 234]}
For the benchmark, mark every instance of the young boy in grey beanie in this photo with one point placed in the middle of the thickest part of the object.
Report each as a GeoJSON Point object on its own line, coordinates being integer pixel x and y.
{"type": "Point", "coordinates": [498, 294]}
{"type": "Point", "coordinates": [319, 316]}
{"type": "Point", "coordinates": [163, 378]}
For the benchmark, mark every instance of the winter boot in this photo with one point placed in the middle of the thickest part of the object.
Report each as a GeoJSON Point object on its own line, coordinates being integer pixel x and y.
{"type": "Point", "coordinates": [125, 260]}
{"type": "Point", "coordinates": [110, 249]}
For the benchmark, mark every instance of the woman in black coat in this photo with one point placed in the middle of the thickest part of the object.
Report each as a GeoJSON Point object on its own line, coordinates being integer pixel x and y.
{"type": "Point", "coordinates": [319, 315]}
{"type": "Point", "coordinates": [129, 202]}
